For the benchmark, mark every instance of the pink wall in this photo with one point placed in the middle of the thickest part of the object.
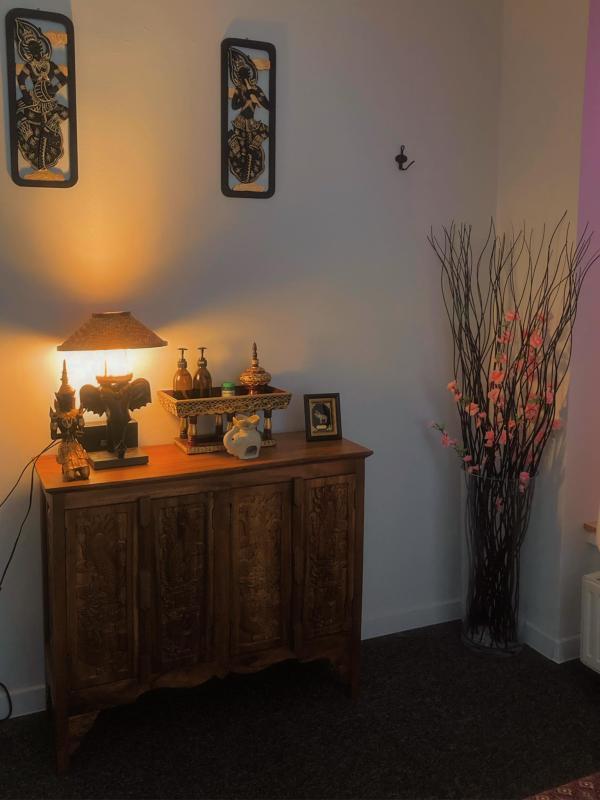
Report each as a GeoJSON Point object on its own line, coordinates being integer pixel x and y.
{"type": "Point", "coordinates": [589, 196]}
{"type": "Point", "coordinates": [582, 469]}
{"type": "Point", "coordinates": [583, 434]}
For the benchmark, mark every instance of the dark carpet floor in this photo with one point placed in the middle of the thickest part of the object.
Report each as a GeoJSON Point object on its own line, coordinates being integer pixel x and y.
{"type": "Point", "coordinates": [434, 721]}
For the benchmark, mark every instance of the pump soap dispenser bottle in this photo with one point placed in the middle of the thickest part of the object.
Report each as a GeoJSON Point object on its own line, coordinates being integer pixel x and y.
{"type": "Point", "coordinates": [182, 388]}
{"type": "Point", "coordinates": [182, 380]}
{"type": "Point", "coordinates": [202, 378]}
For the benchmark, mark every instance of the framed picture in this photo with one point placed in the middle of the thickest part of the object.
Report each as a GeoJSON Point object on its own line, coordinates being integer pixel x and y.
{"type": "Point", "coordinates": [247, 118]}
{"type": "Point", "coordinates": [40, 51]}
{"type": "Point", "coordinates": [322, 417]}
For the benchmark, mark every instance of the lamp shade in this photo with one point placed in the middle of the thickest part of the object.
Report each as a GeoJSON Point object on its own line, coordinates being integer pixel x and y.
{"type": "Point", "coordinates": [112, 330]}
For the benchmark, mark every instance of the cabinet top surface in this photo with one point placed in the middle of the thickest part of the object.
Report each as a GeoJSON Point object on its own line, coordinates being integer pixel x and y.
{"type": "Point", "coordinates": [168, 461]}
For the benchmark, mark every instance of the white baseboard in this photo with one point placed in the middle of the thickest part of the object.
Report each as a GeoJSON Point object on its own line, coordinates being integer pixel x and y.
{"type": "Point", "coordinates": [569, 649]}
{"type": "Point", "coordinates": [557, 650]}
{"type": "Point", "coordinates": [33, 698]}
{"type": "Point", "coordinates": [25, 701]}
{"type": "Point", "coordinates": [418, 617]}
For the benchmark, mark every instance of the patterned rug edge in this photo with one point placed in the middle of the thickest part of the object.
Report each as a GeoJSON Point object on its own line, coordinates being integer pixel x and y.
{"type": "Point", "coordinates": [587, 788]}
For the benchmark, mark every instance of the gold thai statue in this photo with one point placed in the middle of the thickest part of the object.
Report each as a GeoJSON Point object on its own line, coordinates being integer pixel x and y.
{"type": "Point", "coordinates": [66, 424]}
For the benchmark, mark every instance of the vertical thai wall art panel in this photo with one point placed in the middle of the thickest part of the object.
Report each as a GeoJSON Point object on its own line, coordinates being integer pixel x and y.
{"type": "Point", "coordinates": [40, 51]}
{"type": "Point", "coordinates": [102, 607]}
{"type": "Point", "coordinates": [247, 118]}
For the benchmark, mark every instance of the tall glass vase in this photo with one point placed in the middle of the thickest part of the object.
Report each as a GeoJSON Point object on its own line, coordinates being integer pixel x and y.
{"type": "Point", "coordinates": [497, 516]}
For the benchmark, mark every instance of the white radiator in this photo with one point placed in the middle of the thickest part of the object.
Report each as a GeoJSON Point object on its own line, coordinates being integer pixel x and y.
{"type": "Point", "coordinates": [590, 620]}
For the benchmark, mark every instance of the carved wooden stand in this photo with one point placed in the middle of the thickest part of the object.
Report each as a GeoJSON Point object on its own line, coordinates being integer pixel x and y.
{"type": "Point", "coordinates": [183, 569]}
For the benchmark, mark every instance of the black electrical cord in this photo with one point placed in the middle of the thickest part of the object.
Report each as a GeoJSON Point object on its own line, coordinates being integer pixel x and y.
{"type": "Point", "coordinates": [8, 700]}
{"type": "Point", "coordinates": [32, 462]}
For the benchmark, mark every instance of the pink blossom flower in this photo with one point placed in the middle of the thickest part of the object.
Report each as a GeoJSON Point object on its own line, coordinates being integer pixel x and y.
{"type": "Point", "coordinates": [524, 478]}
{"type": "Point", "coordinates": [556, 424]}
{"type": "Point", "coordinates": [493, 395]}
{"type": "Point", "coordinates": [467, 458]}
{"type": "Point", "coordinates": [539, 437]}
{"type": "Point", "coordinates": [502, 358]}
{"type": "Point", "coordinates": [531, 410]}
{"type": "Point", "coordinates": [535, 340]}
{"type": "Point", "coordinates": [511, 316]}
{"type": "Point", "coordinates": [447, 441]}
{"type": "Point", "coordinates": [511, 424]}
{"type": "Point", "coordinates": [457, 397]}
{"type": "Point", "coordinates": [505, 337]}
{"type": "Point", "coordinates": [474, 468]}
{"type": "Point", "coordinates": [502, 439]}
{"type": "Point", "coordinates": [549, 395]}
{"type": "Point", "coordinates": [489, 439]}
{"type": "Point", "coordinates": [496, 376]}
{"type": "Point", "coordinates": [472, 408]}
{"type": "Point", "coordinates": [452, 386]}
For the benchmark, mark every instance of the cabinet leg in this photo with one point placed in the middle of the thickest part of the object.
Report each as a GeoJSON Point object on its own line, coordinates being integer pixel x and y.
{"type": "Point", "coordinates": [61, 741]}
{"type": "Point", "coordinates": [347, 669]}
{"type": "Point", "coordinates": [69, 731]}
{"type": "Point", "coordinates": [78, 727]}
{"type": "Point", "coordinates": [354, 677]}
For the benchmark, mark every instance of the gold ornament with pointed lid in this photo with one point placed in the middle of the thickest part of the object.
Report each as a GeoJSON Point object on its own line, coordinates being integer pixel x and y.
{"type": "Point", "coordinates": [255, 377]}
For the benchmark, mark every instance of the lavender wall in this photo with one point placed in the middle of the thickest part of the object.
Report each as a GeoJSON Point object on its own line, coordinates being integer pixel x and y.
{"type": "Point", "coordinates": [332, 276]}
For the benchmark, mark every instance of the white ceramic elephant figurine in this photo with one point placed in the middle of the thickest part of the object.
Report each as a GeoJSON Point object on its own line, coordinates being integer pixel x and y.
{"type": "Point", "coordinates": [243, 440]}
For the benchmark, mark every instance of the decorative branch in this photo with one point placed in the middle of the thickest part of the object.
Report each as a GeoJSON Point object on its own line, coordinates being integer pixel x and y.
{"type": "Point", "coordinates": [511, 312]}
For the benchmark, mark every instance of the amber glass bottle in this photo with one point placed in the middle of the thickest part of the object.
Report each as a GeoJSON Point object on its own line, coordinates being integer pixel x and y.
{"type": "Point", "coordinates": [182, 380]}
{"type": "Point", "coordinates": [202, 378]}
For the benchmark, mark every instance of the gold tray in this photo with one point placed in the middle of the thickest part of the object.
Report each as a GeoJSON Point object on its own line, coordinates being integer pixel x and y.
{"type": "Point", "coordinates": [269, 399]}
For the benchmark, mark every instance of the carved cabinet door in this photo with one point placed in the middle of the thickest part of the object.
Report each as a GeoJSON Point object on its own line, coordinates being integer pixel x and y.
{"type": "Point", "coordinates": [329, 545]}
{"type": "Point", "coordinates": [261, 569]}
{"type": "Point", "coordinates": [183, 548]}
{"type": "Point", "coordinates": [102, 606]}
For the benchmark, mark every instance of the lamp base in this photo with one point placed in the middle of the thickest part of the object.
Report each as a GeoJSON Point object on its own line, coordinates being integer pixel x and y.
{"type": "Point", "coordinates": [95, 435]}
{"type": "Point", "coordinates": [103, 459]}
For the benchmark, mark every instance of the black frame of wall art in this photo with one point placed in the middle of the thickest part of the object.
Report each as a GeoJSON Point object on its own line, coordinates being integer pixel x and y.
{"type": "Point", "coordinates": [48, 16]}
{"type": "Point", "coordinates": [248, 44]}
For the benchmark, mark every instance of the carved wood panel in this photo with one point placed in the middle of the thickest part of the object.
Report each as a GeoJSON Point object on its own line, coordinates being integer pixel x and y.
{"type": "Point", "coordinates": [183, 552]}
{"type": "Point", "coordinates": [329, 522]}
{"type": "Point", "coordinates": [261, 568]}
{"type": "Point", "coordinates": [101, 552]}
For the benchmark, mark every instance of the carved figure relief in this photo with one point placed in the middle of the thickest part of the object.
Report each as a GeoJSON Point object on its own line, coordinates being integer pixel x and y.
{"type": "Point", "coordinates": [182, 553]}
{"type": "Point", "coordinates": [261, 554]}
{"type": "Point", "coordinates": [41, 74]}
{"type": "Point", "coordinates": [248, 118]}
{"type": "Point", "coordinates": [329, 542]}
{"type": "Point", "coordinates": [100, 543]}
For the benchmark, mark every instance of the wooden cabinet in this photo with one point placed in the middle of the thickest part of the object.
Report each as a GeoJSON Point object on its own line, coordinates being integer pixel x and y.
{"type": "Point", "coordinates": [191, 567]}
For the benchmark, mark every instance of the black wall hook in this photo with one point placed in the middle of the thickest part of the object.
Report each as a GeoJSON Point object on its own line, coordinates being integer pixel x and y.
{"type": "Point", "coordinates": [402, 159]}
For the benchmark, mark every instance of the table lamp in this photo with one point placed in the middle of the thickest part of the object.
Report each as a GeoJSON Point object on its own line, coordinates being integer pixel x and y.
{"type": "Point", "coordinates": [116, 395]}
